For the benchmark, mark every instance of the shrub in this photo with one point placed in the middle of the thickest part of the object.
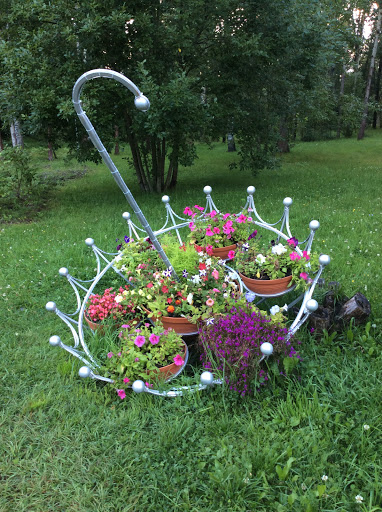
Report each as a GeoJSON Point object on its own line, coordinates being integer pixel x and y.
{"type": "Point", "coordinates": [16, 174]}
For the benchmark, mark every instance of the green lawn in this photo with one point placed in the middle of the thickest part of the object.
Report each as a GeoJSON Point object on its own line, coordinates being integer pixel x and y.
{"type": "Point", "coordinates": [68, 444]}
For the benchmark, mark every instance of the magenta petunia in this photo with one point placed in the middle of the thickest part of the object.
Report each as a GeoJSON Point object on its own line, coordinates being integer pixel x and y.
{"type": "Point", "coordinates": [139, 341]}
{"type": "Point", "coordinates": [200, 208]}
{"type": "Point", "coordinates": [121, 393]}
{"type": "Point", "coordinates": [231, 255]}
{"type": "Point", "coordinates": [304, 275]}
{"type": "Point", "coordinates": [187, 211]}
{"type": "Point", "coordinates": [154, 339]}
{"type": "Point", "coordinates": [306, 255]}
{"type": "Point", "coordinates": [178, 360]}
{"type": "Point", "coordinates": [294, 256]}
{"type": "Point", "coordinates": [110, 355]}
{"type": "Point", "coordinates": [126, 380]}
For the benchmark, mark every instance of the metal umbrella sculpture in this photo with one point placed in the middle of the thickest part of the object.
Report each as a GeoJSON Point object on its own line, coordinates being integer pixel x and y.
{"type": "Point", "coordinates": [173, 223]}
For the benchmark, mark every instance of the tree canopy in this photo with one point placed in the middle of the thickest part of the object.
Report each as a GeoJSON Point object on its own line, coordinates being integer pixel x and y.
{"type": "Point", "coordinates": [265, 71]}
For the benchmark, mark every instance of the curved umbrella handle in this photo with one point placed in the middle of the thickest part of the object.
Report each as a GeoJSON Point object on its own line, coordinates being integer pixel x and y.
{"type": "Point", "coordinates": [143, 104]}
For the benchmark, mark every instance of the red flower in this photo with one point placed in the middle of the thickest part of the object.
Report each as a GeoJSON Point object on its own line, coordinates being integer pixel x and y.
{"type": "Point", "coordinates": [150, 285]}
{"type": "Point", "coordinates": [177, 302]}
{"type": "Point", "coordinates": [169, 300]}
{"type": "Point", "coordinates": [202, 266]}
{"type": "Point", "coordinates": [164, 289]}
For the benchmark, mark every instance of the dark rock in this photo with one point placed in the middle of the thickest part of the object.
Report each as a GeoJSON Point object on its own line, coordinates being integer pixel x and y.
{"type": "Point", "coordinates": [358, 307]}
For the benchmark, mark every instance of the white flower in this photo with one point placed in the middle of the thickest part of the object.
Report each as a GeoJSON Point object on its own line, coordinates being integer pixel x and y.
{"type": "Point", "coordinates": [140, 292]}
{"type": "Point", "coordinates": [366, 427]}
{"type": "Point", "coordinates": [232, 276]}
{"type": "Point", "coordinates": [303, 487]}
{"type": "Point", "coordinates": [324, 478]}
{"type": "Point", "coordinates": [285, 307]}
{"type": "Point", "coordinates": [149, 297]}
{"type": "Point", "coordinates": [118, 299]}
{"type": "Point", "coordinates": [189, 298]}
{"type": "Point", "coordinates": [221, 262]}
{"type": "Point", "coordinates": [279, 249]}
{"type": "Point", "coordinates": [225, 295]}
{"type": "Point", "coordinates": [195, 279]}
{"type": "Point", "coordinates": [260, 259]}
{"type": "Point", "coordinates": [359, 498]}
{"type": "Point", "coordinates": [118, 258]}
{"type": "Point", "coordinates": [208, 262]}
{"type": "Point", "coordinates": [274, 309]}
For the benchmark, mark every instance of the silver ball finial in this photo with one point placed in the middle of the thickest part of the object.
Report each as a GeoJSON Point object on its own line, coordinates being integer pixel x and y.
{"type": "Point", "coordinates": [55, 341]}
{"type": "Point", "coordinates": [50, 306]}
{"type": "Point", "coordinates": [142, 103]}
{"type": "Point", "coordinates": [89, 242]}
{"type": "Point", "coordinates": [314, 225]}
{"type": "Point", "coordinates": [64, 272]}
{"type": "Point", "coordinates": [207, 190]}
{"type": "Point", "coordinates": [251, 190]}
{"type": "Point", "coordinates": [324, 260]}
{"type": "Point", "coordinates": [266, 348]}
{"type": "Point", "coordinates": [126, 215]}
{"type": "Point", "coordinates": [207, 378]}
{"type": "Point", "coordinates": [138, 386]}
{"type": "Point", "coordinates": [288, 201]}
{"type": "Point", "coordinates": [312, 305]}
{"type": "Point", "coordinates": [165, 199]}
{"type": "Point", "coordinates": [84, 372]}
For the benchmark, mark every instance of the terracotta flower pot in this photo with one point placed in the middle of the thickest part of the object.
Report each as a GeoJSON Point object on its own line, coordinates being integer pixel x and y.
{"type": "Point", "coordinates": [222, 252]}
{"type": "Point", "coordinates": [179, 324]}
{"type": "Point", "coordinates": [166, 372]}
{"type": "Point", "coordinates": [266, 287]}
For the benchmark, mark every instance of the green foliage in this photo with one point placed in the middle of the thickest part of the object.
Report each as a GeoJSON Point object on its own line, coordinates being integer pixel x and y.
{"type": "Point", "coordinates": [17, 176]}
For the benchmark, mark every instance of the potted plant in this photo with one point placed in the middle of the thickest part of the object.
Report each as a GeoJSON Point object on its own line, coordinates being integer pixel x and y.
{"type": "Point", "coordinates": [149, 353]}
{"type": "Point", "coordinates": [196, 296]}
{"type": "Point", "coordinates": [107, 308]}
{"type": "Point", "coordinates": [230, 346]}
{"type": "Point", "coordinates": [217, 233]}
{"type": "Point", "coordinates": [272, 270]}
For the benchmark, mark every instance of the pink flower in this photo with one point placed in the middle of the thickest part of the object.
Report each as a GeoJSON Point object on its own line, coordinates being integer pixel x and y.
{"type": "Point", "coordinates": [217, 230]}
{"type": "Point", "coordinates": [304, 276]}
{"type": "Point", "coordinates": [215, 290]}
{"type": "Point", "coordinates": [215, 274]}
{"type": "Point", "coordinates": [148, 385]}
{"type": "Point", "coordinates": [119, 354]}
{"type": "Point", "coordinates": [136, 359]}
{"type": "Point", "coordinates": [121, 393]}
{"type": "Point", "coordinates": [231, 255]}
{"type": "Point", "coordinates": [125, 326]}
{"type": "Point", "coordinates": [242, 218]}
{"type": "Point", "coordinates": [226, 215]}
{"type": "Point", "coordinates": [213, 214]}
{"type": "Point", "coordinates": [192, 226]}
{"type": "Point", "coordinates": [187, 211]}
{"type": "Point", "coordinates": [139, 341]}
{"type": "Point", "coordinates": [210, 302]}
{"type": "Point", "coordinates": [209, 250]}
{"type": "Point", "coordinates": [126, 380]}
{"type": "Point", "coordinates": [306, 255]}
{"type": "Point", "coordinates": [110, 355]}
{"type": "Point", "coordinates": [178, 360]}
{"type": "Point", "coordinates": [209, 232]}
{"type": "Point", "coordinates": [200, 208]}
{"type": "Point", "coordinates": [294, 256]}
{"type": "Point", "coordinates": [154, 339]}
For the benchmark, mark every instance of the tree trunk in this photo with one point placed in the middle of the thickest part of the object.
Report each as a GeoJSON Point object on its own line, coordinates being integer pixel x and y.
{"type": "Point", "coordinates": [116, 137]}
{"type": "Point", "coordinates": [362, 128]}
{"type": "Point", "coordinates": [231, 143]}
{"type": "Point", "coordinates": [282, 143]}
{"type": "Point", "coordinates": [137, 161]}
{"type": "Point", "coordinates": [17, 136]}
{"type": "Point", "coordinates": [342, 90]}
{"type": "Point", "coordinates": [377, 93]}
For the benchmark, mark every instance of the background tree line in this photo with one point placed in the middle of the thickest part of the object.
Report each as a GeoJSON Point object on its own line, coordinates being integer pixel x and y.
{"type": "Point", "coordinates": [268, 72]}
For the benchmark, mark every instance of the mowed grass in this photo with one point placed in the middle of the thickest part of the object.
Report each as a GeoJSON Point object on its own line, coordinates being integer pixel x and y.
{"type": "Point", "coordinates": [72, 445]}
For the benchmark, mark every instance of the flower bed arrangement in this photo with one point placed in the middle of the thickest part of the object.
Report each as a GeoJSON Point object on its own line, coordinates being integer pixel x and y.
{"type": "Point", "coordinates": [211, 231]}
{"type": "Point", "coordinates": [230, 345]}
{"type": "Point", "coordinates": [108, 308]}
{"type": "Point", "coordinates": [149, 353]}
{"type": "Point", "coordinates": [196, 296]}
{"type": "Point", "coordinates": [276, 262]}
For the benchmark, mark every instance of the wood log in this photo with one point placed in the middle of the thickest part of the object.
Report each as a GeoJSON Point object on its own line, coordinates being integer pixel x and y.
{"type": "Point", "coordinates": [358, 307]}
